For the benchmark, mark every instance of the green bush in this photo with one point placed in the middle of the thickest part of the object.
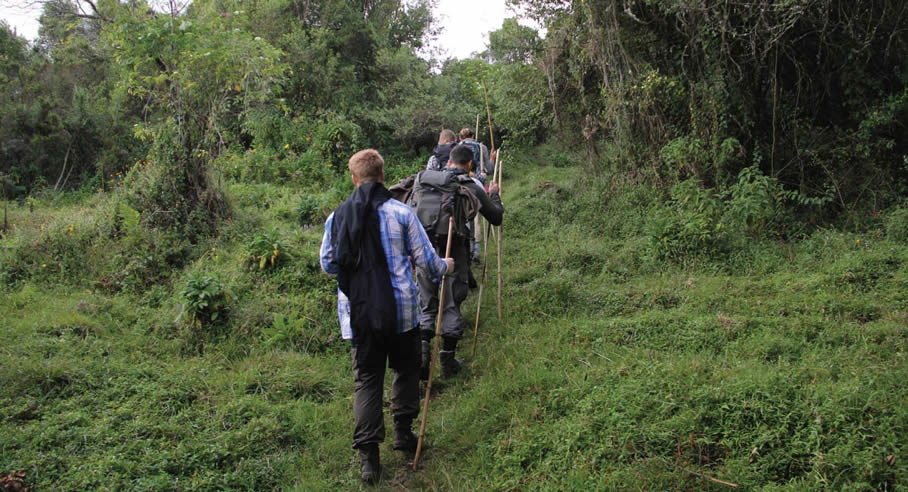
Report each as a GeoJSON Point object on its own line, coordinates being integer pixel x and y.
{"type": "Point", "coordinates": [754, 207]}
{"type": "Point", "coordinates": [60, 244]}
{"type": "Point", "coordinates": [689, 225]}
{"type": "Point", "coordinates": [551, 155]}
{"type": "Point", "coordinates": [308, 211]}
{"type": "Point", "coordinates": [706, 160]}
{"type": "Point", "coordinates": [336, 138]}
{"type": "Point", "coordinates": [267, 165]}
{"type": "Point", "coordinates": [897, 224]}
{"type": "Point", "coordinates": [172, 189]}
{"type": "Point", "coordinates": [267, 249]}
{"type": "Point", "coordinates": [206, 301]}
{"type": "Point", "coordinates": [273, 130]}
{"type": "Point", "coordinates": [258, 165]}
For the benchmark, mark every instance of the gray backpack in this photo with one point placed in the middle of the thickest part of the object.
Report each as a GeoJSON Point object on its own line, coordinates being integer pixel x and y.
{"type": "Point", "coordinates": [438, 195]}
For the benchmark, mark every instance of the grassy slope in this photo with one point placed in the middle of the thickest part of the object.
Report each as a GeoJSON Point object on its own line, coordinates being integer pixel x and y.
{"type": "Point", "coordinates": [608, 370]}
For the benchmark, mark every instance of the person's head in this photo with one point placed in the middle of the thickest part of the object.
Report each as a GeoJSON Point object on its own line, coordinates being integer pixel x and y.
{"type": "Point", "coordinates": [462, 156]}
{"type": "Point", "coordinates": [466, 133]}
{"type": "Point", "coordinates": [367, 166]}
{"type": "Point", "coordinates": [446, 136]}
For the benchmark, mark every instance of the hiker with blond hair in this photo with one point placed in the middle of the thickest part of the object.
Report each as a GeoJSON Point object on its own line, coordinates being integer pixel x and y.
{"type": "Point", "coordinates": [368, 243]}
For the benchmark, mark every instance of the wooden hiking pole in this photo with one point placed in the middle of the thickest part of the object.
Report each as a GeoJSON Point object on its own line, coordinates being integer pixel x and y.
{"type": "Point", "coordinates": [489, 115]}
{"type": "Point", "coordinates": [482, 282]}
{"type": "Point", "coordinates": [438, 319]}
{"type": "Point", "coordinates": [485, 269]}
{"type": "Point", "coordinates": [482, 168]}
{"type": "Point", "coordinates": [485, 272]}
{"type": "Point", "coordinates": [498, 243]}
{"type": "Point", "coordinates": [498, 173]}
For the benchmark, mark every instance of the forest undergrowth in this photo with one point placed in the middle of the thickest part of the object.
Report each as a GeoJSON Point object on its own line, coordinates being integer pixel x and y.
{"type": "Point", "coordinates": [627, 356]}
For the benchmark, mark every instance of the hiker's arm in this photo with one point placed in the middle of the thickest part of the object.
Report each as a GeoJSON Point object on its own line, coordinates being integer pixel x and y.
{"type": "Point", "coordinates": [490, 206]}
{"type": "Point", "coordinates": [326, 253]}
{"type": "Point", "coordinates": [421, 250]}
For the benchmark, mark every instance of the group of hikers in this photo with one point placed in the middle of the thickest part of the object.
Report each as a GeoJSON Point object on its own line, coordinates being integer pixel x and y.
{"type": "Point", "coordinates": [373, 242]}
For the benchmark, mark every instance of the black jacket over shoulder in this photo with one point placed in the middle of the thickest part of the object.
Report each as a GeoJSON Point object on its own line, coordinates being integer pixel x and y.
{"type": "Point", "coordinates": [364, 275]}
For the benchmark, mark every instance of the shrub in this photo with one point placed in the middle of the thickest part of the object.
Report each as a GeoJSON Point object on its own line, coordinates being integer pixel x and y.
{"type": "Point", "coordinates": [552, 155]}
{"type": "Point", "coordinates": [173, 190]}
{"type": "Point", "coordinates": [265, 249]}
{"type": "Point", "coordinates": [336, 138]}
{"type": "Point", "coordinates": [689, 224]}
{"type": "Point", "coordinates": [285, 164]}
{"type": "Point", "coordinates": [59, 245]}
{"type": "Point", "coordinates": [206, 300]}
{"type": "Point", "coordinates": [755, 205]}
{"type": "Point", "coordinates": [897, 224]}
{"type": "Point", "coordinates": [257, 165]}
{"type": "Point", "coordinates": [307, 212]}
{"type": "Point", "coordinates": [692, 156]}
{"type": "Point", "coordinates": [271, 129]}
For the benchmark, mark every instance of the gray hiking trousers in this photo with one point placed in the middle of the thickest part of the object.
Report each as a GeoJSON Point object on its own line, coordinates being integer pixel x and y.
{"type": "Point", "coordinates": [455, 293]}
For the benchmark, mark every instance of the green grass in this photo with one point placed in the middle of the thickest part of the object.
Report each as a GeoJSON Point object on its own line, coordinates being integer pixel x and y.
{"type": "Point", "coordinates": [777, 366]}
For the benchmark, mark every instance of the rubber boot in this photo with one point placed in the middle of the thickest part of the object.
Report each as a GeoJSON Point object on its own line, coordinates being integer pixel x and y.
{"type": "Point", "coordinates": [449, 365]}
{"type": "Point", "coordinates": [426, 358]}
{"type": "Point", "coordinates": [370, 464]}
{"type": "Point", "coordinates": [404, 438]}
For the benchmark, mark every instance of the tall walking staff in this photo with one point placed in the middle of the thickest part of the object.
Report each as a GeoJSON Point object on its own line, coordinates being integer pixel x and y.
{"type": "Point", "coordinates": [485, 239]}
{"type": "Point", "coordinates": [498, 173]}
{"type": "Point", "coordinates": [489, 115]}
{"type": "Point", "coordinates": [485, 269]}
{"type": "Point", "coordinates": [441, 305]}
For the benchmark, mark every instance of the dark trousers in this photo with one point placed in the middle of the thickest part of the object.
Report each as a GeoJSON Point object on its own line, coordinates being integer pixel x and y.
{"type": "Point", "coordinates": [455, 293]}
{"type": "Point", "coordinates": [370, 353]}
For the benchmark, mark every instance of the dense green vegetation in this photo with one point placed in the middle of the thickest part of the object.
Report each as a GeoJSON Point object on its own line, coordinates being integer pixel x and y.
{"type": "Point", "coordinates": [705, 244]}
{"type": "Point", "coordinates": [779, 366]}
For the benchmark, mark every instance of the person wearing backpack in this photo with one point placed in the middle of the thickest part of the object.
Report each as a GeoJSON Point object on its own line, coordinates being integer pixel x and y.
{"type": "Point", "coordinates": [441, 153]}
{"type": "Point", "coordinates": [483, 168]}
{"type": "Point", "coordinates": [367, 242]}
{"type": "Point", "coordinates": [480, 153]}
{"type": "Point", "coordinates": [437, 196]}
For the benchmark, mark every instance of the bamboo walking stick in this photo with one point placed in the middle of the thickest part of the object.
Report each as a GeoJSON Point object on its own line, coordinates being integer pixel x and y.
{"type": "Point", "coordinates": [489, 115]}
{"type": "Point", "coordinates": [495, 172]}
{"type": "Point", "coordinates": [482, 169]}
{"type": "Point", "coordinates": [499, 173]}
{"type": "Point", "coordinates": [485, 275]}
{"type": "Point", "coordinates": [485, 270]}
{"type": "Point", "coordinates": [438, 319]}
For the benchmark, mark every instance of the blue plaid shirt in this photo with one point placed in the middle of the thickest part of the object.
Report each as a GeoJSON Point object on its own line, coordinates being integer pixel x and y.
{"type": "Point", "coordinates": [402, 236]}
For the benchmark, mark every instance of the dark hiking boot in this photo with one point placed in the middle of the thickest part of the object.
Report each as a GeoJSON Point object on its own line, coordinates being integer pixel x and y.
{"type": "Point", "coordinates": [404, 438]}
{"type": "Point", "coordinates": [426, 357]}
{"type": "Point", "coordinates": [449, 365]}
{"type": "Point", "coordinates": [370, 465]}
